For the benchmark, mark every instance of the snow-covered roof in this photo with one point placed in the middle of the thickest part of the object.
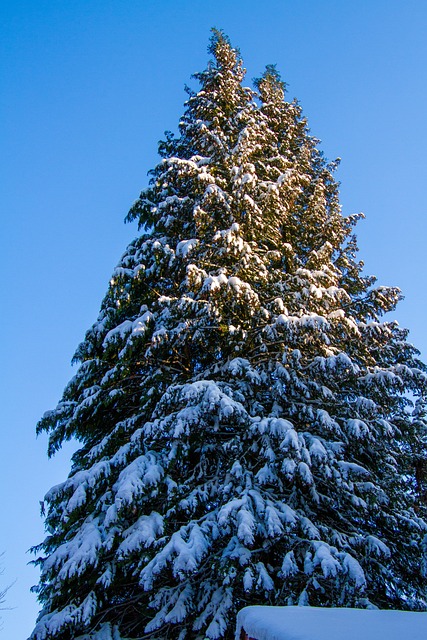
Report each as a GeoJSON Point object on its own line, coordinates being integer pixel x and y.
{"type": "Point", "coordinates": [314, 623]}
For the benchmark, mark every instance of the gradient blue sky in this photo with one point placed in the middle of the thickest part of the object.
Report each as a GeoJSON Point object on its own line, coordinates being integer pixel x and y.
{"type": "Point", "coordinates": [88, 87]}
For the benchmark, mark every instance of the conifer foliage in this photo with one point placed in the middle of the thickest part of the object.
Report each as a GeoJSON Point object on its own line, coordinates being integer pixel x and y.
{"type": "Point", "coordinates": [250, 427]}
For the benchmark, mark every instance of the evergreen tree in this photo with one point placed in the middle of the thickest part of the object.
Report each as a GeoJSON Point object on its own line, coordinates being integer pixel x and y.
{"type": "Point", "coordinates": [250, 428]}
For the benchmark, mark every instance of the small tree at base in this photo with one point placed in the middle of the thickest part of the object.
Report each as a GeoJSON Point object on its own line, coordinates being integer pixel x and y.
{"type": "Point", "coordinates": [250, 429]}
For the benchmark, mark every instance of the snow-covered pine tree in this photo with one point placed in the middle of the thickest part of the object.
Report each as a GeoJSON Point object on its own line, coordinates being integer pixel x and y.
{"type": "Point", "coordinates": [250, 429]}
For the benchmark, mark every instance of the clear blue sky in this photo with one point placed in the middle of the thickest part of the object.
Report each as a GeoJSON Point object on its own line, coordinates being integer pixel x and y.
{"type": "Point", "coordinates": [87, 89]}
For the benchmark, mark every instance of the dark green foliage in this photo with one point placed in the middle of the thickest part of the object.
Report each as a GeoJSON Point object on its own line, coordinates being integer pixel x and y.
{"type": "Point", "coordinates": [251, 430]}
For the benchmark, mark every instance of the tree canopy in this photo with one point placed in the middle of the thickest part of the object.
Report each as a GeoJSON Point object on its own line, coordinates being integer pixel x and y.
{"type": "Point", "coordinates": [252, 429]}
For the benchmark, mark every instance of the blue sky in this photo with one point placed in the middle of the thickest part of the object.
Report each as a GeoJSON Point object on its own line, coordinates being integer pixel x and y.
{"type": "Point", "coordinates": [88, 87]}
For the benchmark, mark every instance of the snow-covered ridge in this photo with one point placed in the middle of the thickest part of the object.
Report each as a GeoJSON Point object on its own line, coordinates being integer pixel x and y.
{"type": "Point", "coordinates": [314, 623]}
